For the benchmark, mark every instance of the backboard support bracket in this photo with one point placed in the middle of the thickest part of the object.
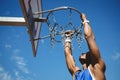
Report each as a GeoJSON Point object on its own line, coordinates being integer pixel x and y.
{"type": "Point", "coordinates": [40, 19]}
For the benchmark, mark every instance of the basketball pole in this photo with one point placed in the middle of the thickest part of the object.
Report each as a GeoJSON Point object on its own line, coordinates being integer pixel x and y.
{"type": "Point", "coordinates": [12, 21]}
{"type": "Point", "coordinates": [18, 21]}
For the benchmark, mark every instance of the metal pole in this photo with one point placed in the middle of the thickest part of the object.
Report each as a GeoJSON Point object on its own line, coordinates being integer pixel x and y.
{"type": "Point", "coordinates": [12, 21]}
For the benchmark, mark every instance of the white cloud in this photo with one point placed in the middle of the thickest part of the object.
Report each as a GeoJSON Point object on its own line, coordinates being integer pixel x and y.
{"type": "Point", "coordinates": [1, 69]}
{"type": "Point", "coordinates": [116, 56]}
{"type": "Point", "coordinates": [4, 75]}
{"type": "Point", "coordinates": [15, 51]}
{"type": "Point", "coordinates": [18, 76]}
{"type": "Point", "coordinates": [19, 71]}
{"type": "Point", "coordinates": [21, 64]}
{"type": "Point", "coordinates": [8, 46]}
{"type": "Point", "coordinates": [16, 73]}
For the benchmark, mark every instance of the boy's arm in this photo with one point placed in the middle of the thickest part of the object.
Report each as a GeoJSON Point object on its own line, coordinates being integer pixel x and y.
{"type": "Point", "coordinates": [68, 54]}
{"type": "Point", "coordinates": [93, 48]}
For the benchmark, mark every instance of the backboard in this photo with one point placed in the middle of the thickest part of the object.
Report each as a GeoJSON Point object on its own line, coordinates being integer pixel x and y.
{"type": "Point", "coordinates": [28, 8]}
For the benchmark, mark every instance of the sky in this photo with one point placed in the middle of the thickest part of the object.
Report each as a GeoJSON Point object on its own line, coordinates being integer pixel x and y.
{"type": "Point", "coordinates": [16, 57]}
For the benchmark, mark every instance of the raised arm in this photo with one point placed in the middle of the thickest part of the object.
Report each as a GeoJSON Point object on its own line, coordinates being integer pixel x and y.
{"type": "Point", "coordinates": [68, 54]}
{"type": "Point", "coordinates": [93, 48]}
{"type": "Point", "coordinates": [89, 36]}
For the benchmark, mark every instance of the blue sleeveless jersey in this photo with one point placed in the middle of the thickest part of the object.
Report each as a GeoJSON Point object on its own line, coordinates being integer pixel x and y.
{"type": "Point", "coordinates": [84, 75]}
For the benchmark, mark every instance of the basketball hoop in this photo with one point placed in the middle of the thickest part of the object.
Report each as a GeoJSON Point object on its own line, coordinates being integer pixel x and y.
{"type": "Point", "coordinates": [58, 29]}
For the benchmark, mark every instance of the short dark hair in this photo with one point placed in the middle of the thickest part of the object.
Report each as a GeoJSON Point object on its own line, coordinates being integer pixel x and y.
{"type": "Point", "coordinates": [87, 60]}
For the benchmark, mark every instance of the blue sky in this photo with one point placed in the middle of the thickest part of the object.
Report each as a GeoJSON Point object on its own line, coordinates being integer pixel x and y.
{"type": "Point", "coordinates": [16, 57]}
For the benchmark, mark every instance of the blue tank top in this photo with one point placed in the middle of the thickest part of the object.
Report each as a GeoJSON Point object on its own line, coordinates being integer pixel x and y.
{"type": "Point", "coordinates": [84, 75]}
